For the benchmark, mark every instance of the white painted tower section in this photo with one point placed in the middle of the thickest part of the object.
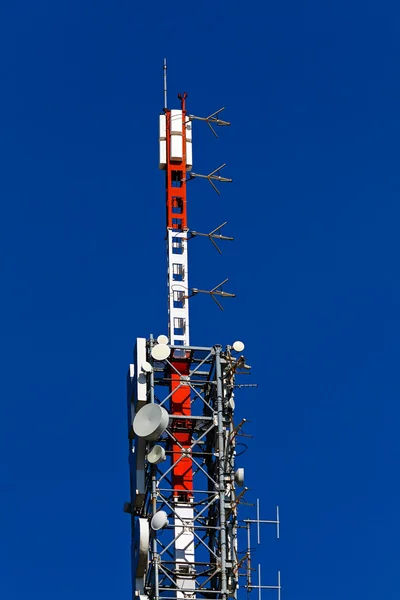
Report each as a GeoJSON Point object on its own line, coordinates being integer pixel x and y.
{"type": "Point", "coordinates": [178, 287]}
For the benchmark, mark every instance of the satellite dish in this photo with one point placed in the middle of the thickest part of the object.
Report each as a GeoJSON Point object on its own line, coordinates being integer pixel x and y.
{"type": "Point", "coordinates": [160, 520]}
{"type": "Point", "coordinates": [160, 351]}
{"type": "Point", "coordinates": [162, 339]}
{"type": "Point", "coordinates": [238, 346]}
{"type": "Point", "coordinates": [156, 455]}
{"type": "Point", "coordinates": [146, 367]}
{"type": "Point", "coordinates": [150, 422]}
{"type": "Point", "coordinates": [239, 477]}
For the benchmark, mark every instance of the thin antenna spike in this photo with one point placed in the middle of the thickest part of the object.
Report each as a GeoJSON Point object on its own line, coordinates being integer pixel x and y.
{"type": "Point", "coordinates": [216, 301]}
{"type": "Point", "coordinates": [259, 581]}
{"type": "Point", "coordinates": [216, 170]}
{"type": "Point", "coordinates": [258, 522]}
{"type": "Point", "coordinates": [219, 285]}
{"type": "Point", "coordinates": [214, 244]}
{"type": "Point", "coordinates": [215, 113]}
{"type": "Point", "coordinates": [214, 186]}
{"type": "Point", "coordinates": [213, 131]}
{"type": "Point", "coordinates": [277, 523]}
{"type": "Point", "coordinates": [220, 178]}
{"type": "Point", "coordinates": [279, 585]}
{"type": "Point", "coordinates": [165, 83]}
{"type": "Point", "coordinates": [222, 237]}
{"type": "Point", "coordinates": [218, 228]}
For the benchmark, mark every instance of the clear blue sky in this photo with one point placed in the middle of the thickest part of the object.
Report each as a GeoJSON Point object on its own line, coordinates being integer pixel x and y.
{"type": "Point", "coordinates": [312, 89]}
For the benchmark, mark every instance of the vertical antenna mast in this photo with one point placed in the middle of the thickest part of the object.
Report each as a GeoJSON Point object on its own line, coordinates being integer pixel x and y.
{"type": "Point", "coordinates": [188, 542]}
{"type": "Point", "coordinates": [165, 83]}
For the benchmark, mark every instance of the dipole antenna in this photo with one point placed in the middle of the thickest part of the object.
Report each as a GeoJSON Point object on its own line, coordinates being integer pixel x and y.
{"type": "Point", "coordinates": [214, 234]}
{"type": "Point", "coordinates": [216, 291]}
{"type": "Point", "coordinates": [165, 83]}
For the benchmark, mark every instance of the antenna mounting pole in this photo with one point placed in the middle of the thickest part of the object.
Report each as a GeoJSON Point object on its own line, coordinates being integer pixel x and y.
{"type": "Point", "coordinates": [165, 83]}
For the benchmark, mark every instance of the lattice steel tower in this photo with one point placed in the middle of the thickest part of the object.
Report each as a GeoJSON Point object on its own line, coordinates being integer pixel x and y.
{"type": "Point", "coordinates": [185, 488]}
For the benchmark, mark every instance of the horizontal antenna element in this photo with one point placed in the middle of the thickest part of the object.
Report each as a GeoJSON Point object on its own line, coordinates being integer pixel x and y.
{"type": "Point", "coordinates": [217, 291]}
{"type": "Point", "coordinates": [212, 176]}
{"type": "Point", "coordinates": [213, 235]}
{"type": "Point", "coordinates": [212, 120]}
{"type": "Point", "coordinates": [260, 587]}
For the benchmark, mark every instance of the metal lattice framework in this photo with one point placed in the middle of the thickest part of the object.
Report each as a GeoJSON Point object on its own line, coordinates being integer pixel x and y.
{"type": "Point", "coordinates": [211, 526]}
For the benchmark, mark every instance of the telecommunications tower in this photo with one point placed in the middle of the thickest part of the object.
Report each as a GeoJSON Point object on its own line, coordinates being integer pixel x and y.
{"type": "Point", "coordinates": [186, 491]}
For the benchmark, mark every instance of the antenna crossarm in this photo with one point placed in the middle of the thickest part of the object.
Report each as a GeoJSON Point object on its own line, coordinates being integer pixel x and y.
{"type": "Point", "coordinates": [217, 291]}
{"type": "Point", "coordinates": [218, 122]}
{"type": "Point", "coordinates": [212, 177]}
{"type": "Point", "coordinates": [213, 118]}
{"type": "Point", "coordinates": [213, 293]}
{"type": "Point", "coordinates": [212, 235]}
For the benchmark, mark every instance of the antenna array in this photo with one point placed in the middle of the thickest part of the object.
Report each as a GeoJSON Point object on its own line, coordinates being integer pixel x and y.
{"type": "Point", "coordinates": [186, 491]}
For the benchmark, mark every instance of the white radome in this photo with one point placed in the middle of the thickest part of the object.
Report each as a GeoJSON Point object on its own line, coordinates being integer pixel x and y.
{"type": "Point", "coordinates": [160, 352]}
{"type": "Point", "coordinates": [150, 422]}
{"type": "Point", "coordinates": [160, 520]}
{"type": "Point", "coordinates": [156, 455]}
{"type": "Point", "coordinates": [238, 346]}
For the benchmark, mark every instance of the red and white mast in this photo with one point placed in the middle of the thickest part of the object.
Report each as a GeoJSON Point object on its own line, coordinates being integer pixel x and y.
{"type": "Point", "coordinates": [185, 488]}
{"type": "Point", "coordinates": [176, 159]}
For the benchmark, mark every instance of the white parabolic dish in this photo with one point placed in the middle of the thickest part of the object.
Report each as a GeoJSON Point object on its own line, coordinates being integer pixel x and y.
{"type": "Point", "coordinates": [159, 520]}
{"type": "Point", "coordinates": [150, 422]}
{"type": "Point", "coordinates": [162, 339]}
{"type": "Point", "coordinates": [146, 367]}
{"type": "Point", "coordinates": [238, 346]}
{"type": "Point", "coordinates": [239, 477]}
{"type": "Point", "coordinates": [156, 455]}
{"type": "Point", "coordinates": [160, 351]}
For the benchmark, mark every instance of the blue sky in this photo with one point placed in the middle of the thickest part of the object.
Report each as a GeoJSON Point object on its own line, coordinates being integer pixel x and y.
{"type": "Point", "coordinates": [312, 90]}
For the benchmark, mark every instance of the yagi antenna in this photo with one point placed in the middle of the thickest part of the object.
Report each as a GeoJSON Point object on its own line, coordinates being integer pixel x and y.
{"type": "Point", "coordinates": [212, 119]}
{"type": "Point", "coordinates": [217, 291]}
{"type": "Point", "coordinates": [257, 521]}
{"type": "Point", "coordinates": [260, 587]}
{"type": "Point", "coordinates": [213, 176]}
{"type": "Point", "coordinates": [215, 234]}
